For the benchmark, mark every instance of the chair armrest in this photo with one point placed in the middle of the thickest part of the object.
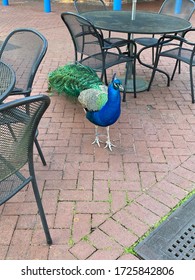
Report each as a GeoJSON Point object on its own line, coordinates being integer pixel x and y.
{"type": "Point", "coordinates": [187, 31]}
{"type": "Point", "coordinates": [181, 38]}
{"type": "Point", "coordinates": [168, 38]}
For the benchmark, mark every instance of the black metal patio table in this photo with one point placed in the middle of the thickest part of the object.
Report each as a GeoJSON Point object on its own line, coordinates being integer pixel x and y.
{"type": "Point", "coordinates": [7, 80]}
{"type": "Point", "coordinates": [144, 23]}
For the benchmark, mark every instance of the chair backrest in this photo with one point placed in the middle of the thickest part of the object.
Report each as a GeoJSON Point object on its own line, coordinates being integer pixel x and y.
{"type": "Point", "coordinates": [18, 124]}
{"type": "Point", "coordinates": [23, 50]}
{"type": "Point", "coordinates": [82, 6]}
{"type": "Point", "coordinates": [7, 80]}
{"type": "Point", "coordinates": [86, 39]}
{"type": "Point", "coordinates": [169, 8]}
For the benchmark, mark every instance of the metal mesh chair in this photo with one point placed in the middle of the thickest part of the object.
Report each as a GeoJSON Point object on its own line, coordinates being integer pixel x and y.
{"type": "Point", "coordinates": [180, 49]}
{"type": "Point", "coordinates": [168, 7]}
{"type": "Point", "coordinates": [99, 5]}
{"type": "Point", "coordinates": [89, 42]}
{"type": "Point", "coordinates": [23, 49]}
{"type": "Point", "coordinates": [23, 115]}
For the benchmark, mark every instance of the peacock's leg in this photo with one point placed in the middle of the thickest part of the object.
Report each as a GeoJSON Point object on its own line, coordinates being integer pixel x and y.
{"type": "Point", "coordinates": [97, 140]}
{"type": "Point", "coordinates": [108, 142]}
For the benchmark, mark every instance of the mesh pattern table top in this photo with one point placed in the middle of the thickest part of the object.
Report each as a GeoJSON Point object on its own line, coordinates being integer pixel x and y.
{"type": "Point", "coordinates": [144, 23]}
{"type": "Point", "coordinates": [7, 80]}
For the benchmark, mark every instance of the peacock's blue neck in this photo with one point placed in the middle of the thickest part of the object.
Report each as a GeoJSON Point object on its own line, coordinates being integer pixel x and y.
{"type": "Point", "coordinates": [113, 95]}
{"type": "Point", "coordinates": [110, 112]}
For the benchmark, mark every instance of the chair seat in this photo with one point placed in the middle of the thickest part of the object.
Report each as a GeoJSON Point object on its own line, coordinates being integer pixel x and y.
{"type": "Point", "coordinates": [17, 90]}
{"type": "Point", "coordinates": [182, 54]}
{"type": "Point", "coordinates": [146, 41]}
{"type": "Point", "coordinates": [115, 42]}
{"type": "Point", "coordinates": [11, 183]}
{"type": "Point", "coordinates": [112, 59]}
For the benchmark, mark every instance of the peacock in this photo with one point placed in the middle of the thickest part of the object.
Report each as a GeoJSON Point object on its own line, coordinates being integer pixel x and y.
{"type": "Point", "coordinates": [101, 104]}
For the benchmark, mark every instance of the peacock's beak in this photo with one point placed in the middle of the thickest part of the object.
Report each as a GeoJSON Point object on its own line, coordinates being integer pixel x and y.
{"type": "Point", "coordinates": [121, 88]}
{"type": "Point", "coordinates": [113, 77]}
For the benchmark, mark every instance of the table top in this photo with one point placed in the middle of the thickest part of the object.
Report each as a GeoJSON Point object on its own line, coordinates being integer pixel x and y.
{"type": "Point", "coordinates": [144, 23]}
{"type": "Point", "coordinates": [7, 80]}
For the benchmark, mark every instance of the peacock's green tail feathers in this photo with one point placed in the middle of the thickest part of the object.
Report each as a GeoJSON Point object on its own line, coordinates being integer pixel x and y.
{"type": "Point", "coordinates": [71, 79]}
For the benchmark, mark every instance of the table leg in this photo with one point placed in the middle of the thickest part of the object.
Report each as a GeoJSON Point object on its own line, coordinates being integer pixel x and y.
{"type": "Point", "coordinates": [141, 83]}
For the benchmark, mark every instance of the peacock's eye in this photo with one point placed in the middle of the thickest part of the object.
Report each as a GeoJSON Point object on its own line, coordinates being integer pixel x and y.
{"type": "Point", "coordinates": [116, 85]}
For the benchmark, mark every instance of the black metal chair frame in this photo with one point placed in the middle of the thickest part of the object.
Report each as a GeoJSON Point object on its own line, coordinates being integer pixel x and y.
{"type": "Point", "coordinates": [6, 56]}
{"type": "Point", "coordinates": [17, 152]}
{"type": "Point", "coordinates": [105, 57]}
{"type": "Point", "coordinates": [180, 49]}
{"type": "Point", "coordinates": [151, 42]}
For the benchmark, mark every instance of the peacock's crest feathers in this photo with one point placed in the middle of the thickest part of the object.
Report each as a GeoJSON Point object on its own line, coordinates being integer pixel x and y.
{"type": "Point", "coordinates": [73, 78]}
{"type": "Point", "coordinates": [94, 99]}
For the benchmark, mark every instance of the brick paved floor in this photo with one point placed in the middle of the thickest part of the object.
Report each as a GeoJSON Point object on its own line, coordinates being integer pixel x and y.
{"type": "Point", "coordinates": [98, 203]}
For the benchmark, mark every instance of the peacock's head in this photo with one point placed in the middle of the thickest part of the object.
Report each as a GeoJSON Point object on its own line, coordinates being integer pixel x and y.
{"type": "Point", "coordinates": [117, 83]}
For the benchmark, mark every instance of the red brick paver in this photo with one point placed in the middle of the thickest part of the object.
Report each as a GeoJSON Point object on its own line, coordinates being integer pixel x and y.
{"type": "Point", "coordinates": [97, 202]}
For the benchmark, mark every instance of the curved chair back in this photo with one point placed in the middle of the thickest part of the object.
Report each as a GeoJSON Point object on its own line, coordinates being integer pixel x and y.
{"type": "Point", "coordinates": [23, 50]}
{"type": "Point", "coordinates": [16, 144]}
{"type": "Point", "coordinates": [169, 8]}
{"type": "Point", "coordinates": [86, 39]}
{"type": "Point", "coordinates": [89, 5]}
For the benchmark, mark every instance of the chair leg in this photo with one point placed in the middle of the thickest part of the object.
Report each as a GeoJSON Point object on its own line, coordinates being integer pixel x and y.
{"type": "Point", "coordinates": [174, 70]}
{"type": "Point", "coordinates": [158, 70]}
{"type": "Point", "coordinates": [134, 78]}
{"type": "Point", "coordinates": [179, 70]}
{"type": "Point", "coordinates": [192, 84]}
{"type": "Point", "coordinates": [153, 56]}
{"type": "Point", "coordinates": [104, 77]}
{"type": "Point", "coordinates": [141, 62]}
{"type": "Point", "coordinates": [40, 151]}
{"type": "Point", "coordinates": [125, 82]}
{"type": "Point", "coordinates": [41, 210]}
{"type": "Point", "coordinates": [152, 76]}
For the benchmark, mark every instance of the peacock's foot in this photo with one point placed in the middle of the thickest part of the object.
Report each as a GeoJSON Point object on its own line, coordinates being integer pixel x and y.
{"type": "Point", "coordinates": [97, 141]}
{"type": "Point", "coordinates": [109, 145]}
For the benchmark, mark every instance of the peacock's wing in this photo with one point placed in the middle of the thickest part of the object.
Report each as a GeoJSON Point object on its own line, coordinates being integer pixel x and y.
{"type": "Point", "coordinates": [71, 79]}
{"type": "Point", "coordinates": [94, 99]}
